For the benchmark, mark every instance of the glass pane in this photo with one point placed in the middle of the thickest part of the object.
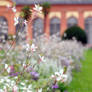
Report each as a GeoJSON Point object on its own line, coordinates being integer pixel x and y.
{"type": "Point", "coordinates": [54, 26]}
{"type": "Point", "coordinates": [38, 27]}
{"type": "Point", "coordinates": [71, 22]}
{"type": "Point", "coordinates": [3, 28]}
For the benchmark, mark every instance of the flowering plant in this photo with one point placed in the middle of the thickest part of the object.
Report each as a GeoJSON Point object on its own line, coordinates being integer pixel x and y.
{"type": "Point", "coordinates": [26, 66]}
{"type": "Point", "coordinates": [30, 67]}
{"type": "Point", "coordinates": [67, 52]}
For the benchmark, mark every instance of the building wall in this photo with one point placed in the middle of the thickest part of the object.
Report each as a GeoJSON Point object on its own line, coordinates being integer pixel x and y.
{"type": "Point", "coordinates": [63, 12]}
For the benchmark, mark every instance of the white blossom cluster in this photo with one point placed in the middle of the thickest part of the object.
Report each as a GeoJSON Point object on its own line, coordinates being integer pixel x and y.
{"type": "Point", "coordinates": [67, 51]}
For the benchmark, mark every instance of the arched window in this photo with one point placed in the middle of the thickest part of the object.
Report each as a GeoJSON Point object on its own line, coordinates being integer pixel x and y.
{"type": "Point", "coordinates": [3, 28]}
{"type": "Point", "coordinates": [88, 28]}
{"type": "Point", "coordinates": [72, 21]}
{"type": "Point", "coordinates": [54, 26]}
{"type": "Point", "coordinates": [20, 30]}
{"type": "Point", "coordinates": [38, 27]}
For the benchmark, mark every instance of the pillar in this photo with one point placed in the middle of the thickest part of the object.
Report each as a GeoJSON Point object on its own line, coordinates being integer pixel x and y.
{"type": "Point", "coordinates": [29, 31]}
{"type": "Point", "coordinates": [81, 19]}
{"type": "Point", "coordinates": [47, 26]}
{"type": "Point", "coordinates": [12, 27]}
{"type": "Point", "coordinates": [63, 22]}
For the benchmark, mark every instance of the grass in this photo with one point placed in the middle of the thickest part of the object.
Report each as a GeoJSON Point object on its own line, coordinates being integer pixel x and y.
{"type": "Point", "coordinates": [82, 81]}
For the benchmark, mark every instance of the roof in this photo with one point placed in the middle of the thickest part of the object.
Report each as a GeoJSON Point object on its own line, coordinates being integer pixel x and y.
{"type": "Point", "coordinates": [53, 1]}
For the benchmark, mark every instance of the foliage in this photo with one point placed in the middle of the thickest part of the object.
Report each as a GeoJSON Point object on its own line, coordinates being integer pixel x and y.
{"type": "Point", "coordinates": [46, 8]}
{"type": "Point", "coordinates": [26, 12]}
{"type": "Point", "coordinates": [76, 32]}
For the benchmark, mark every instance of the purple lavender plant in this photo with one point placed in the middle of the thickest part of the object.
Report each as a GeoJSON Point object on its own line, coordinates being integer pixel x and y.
{"type": "Point", "coordinates": [35, 75]}
{"type": "Point", "coordinates": [55, 86]}
{"type": "Point", "coordinates": [14, 74]}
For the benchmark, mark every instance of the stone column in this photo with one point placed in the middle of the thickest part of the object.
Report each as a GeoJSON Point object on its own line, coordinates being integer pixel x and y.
{"type": "Point", "coordinates": [29, 31]}
{"type": "Point", "coordinates": [81, 19]}
{"type": "Point", "coordinates": [63, 22]}
{"type": "Point", "coordinates": [11, 26]}
{"type": "Point", "coordinates": [47, 26]}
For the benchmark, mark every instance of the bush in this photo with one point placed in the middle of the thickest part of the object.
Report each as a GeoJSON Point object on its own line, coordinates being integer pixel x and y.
{"type": "Point", "coordinates": [76, 32]}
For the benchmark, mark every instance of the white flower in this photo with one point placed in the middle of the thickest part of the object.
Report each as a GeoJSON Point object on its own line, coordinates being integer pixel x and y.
{"type": "Point", "coordinates": [52, 76]}
{"type": "Point", "coordinates": [2, 80]}
{"type": "Point", "coordinates": [1, 90]}
{"type": "Point", "coordinates": [25, 22]}
{"type": "Point", "coordinates": [8, 69]}
{"type": "Point", "coordinates": [29, 91]}
{"type": "Point", "coordinates": [8, 80]}
{"type": "Point", "coordinates": [15, 77]}
{"type": "Point", "coordinates": [24, 65]}
{"type": "Point", "coordinates": [38, 8]}
{"type": "Point", "coordinates": [27, 47]}
{"type": "Point", "coordinates": [33, 47]}
{"type": "Point", "coordinates": [23, 84]}
{"type": "Point", "coordinates": [30, 87]}
{"type": "Point", "coordinates": [42, 58]}
{"type": "Point", "coordinates": [61, 72]}
{"type": "Point", "coordinates": [40, 90]}
{"type": "Point", "coordinates": [14, 9]}
{"type": "Point", "coordinates": [6, 66]}
{"type": "Point", "coordinates": [58, 78]}
{"type": "Point", "coordinates": [16, 21]}
{"type": "Point", "coordinates": [57, 73]}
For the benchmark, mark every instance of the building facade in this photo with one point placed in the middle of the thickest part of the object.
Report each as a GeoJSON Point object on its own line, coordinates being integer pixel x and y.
{"type": "Point", "coordinates": [63, 14]}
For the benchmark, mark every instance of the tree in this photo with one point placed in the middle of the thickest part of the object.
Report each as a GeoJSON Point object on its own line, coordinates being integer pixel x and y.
{"type": "Point", "coordinates": [25, 12]}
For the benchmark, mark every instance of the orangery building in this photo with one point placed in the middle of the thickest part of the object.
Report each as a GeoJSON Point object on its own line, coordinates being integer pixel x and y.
{"type": "Point", "coordinates": [63, 14]}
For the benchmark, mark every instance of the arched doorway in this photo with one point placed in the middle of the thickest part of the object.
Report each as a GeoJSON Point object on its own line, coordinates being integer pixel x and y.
{"type": "Point", "coordinates": [55, 26]}
{"type": "Point", "coordinates": [3, 28]}
{"type": "Point", "coordinates": [88, 28]}
{"type": "Point", "coordinates": [72, 21]}
{"type": "Point", "coordinates": [38, 27]}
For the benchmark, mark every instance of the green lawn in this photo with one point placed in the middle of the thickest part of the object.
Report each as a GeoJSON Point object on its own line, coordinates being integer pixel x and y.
{"type": "Point", "coordinates": [82, 81]}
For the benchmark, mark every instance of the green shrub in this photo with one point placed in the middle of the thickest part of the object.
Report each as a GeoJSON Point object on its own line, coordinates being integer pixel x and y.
{"type": "Point", "coordinates": [76, 32]}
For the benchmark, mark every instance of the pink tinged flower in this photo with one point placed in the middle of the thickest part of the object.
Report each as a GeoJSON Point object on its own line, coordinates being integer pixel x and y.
{"type": "Point", "coordinates": [11, 68]}
{"type": "Point", "coordinates": [16, 21]}
{"type": "Point", "coordinates": [14, 9]}
{"type": "Point", "coordinates": [5, 90]}
{"type": "Point", "coordinates": [42, 58]}
{"type": "Point", "coordinates": [24, 65]}
{"type": "Point", "coordinates": [15, 88]}
{"type": "Point", "coordinates": [38, 8]}
{"type": "Point", "coordinates": [33, 47]}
